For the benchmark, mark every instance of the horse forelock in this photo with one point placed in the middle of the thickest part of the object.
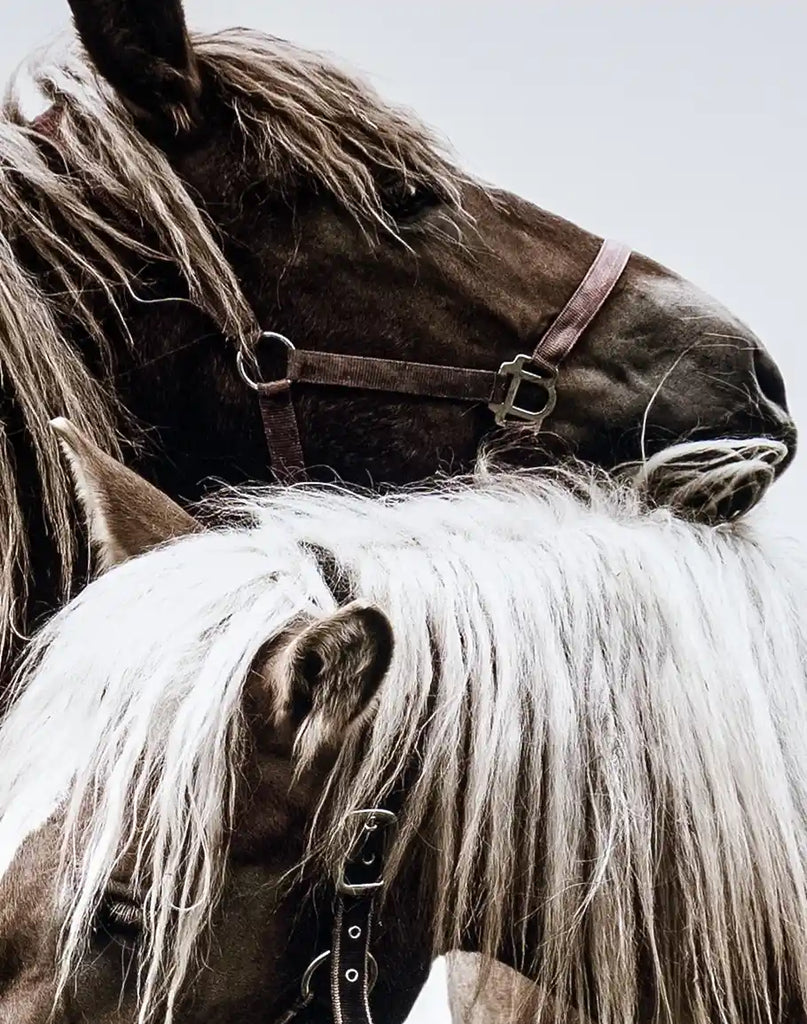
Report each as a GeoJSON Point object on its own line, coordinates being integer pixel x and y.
{"type": "Point", "coordinates": [59, 252]}
{"type": "Point", "coordinates": [302, 112]}
{"type": "Point", "coordinates": [627, 744]}
{"type": "Point", "coordinates": [619, 700]}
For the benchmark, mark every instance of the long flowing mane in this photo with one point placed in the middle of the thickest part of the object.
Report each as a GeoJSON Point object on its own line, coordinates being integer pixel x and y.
{"type": "Point", "coordinates": [618, 696]}
{"type": "Point", "coordinates": [86, 201]}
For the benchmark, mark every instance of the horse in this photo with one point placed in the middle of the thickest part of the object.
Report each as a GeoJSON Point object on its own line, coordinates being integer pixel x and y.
{"type": "Point", "coordinates": [546, 722]}
{"type": "Point", "coordinates": [180, 195]}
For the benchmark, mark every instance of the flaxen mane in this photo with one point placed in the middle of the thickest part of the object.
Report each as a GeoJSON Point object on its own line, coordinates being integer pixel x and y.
{"type": "Point", "coordinates": [621, 697]}
{"type": "Point", "coordinates": [86, 201]}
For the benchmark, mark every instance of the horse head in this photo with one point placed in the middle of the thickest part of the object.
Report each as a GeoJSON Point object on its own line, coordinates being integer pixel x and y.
{"type": "Point", "coordinates": [183, 196]}
{"type": "Point", "coordinates": [307, 690]}
{"type": "Point", "coordinates": [211, 739]}
{"type": "Point", "coordinates": [348, 230]}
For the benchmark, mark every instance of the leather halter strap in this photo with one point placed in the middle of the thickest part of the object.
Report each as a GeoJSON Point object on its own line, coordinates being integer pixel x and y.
{"type": "Point", "coordinates": [353, 968]}
{"type": "Point", "coordinates": [498, 389]}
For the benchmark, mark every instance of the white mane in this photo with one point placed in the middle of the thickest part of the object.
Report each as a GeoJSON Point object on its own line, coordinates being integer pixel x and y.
{"type": "Point", "coordinates": [621, 696]}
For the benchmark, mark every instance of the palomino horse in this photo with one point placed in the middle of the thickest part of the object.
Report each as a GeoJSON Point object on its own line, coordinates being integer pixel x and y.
{"type": "Point", "coordinates": [180, 194]}
{"type": "Point", "coordinates": [588, 720]}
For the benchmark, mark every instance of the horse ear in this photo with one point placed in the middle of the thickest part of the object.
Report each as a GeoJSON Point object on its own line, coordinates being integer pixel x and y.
{"type": "Point", "coordinates": [331, 672]}
{"type": "Point", "coordinates": [126, 515]}
{"type": "Point", "coordinates": [142, 49]}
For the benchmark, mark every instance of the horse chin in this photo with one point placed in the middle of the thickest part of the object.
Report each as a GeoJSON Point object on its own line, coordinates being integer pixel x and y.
{"type": "Point", "coordinates": [713, 481]}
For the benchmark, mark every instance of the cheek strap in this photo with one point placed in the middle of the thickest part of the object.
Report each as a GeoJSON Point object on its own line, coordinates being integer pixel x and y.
{"type": "Point", "coordinates": [353, 969]}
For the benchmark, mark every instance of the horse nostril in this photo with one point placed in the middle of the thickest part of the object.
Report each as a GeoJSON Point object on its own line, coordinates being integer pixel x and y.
{"type": "Point", "coordinates": [769, 379]}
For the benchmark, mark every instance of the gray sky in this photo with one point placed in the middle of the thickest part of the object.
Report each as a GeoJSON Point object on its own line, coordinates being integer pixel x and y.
{"type": "Point", "coordinates": [677, 127]}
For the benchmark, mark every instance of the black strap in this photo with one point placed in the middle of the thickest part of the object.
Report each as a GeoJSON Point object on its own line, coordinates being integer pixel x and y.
{"type": "Point", "coordinates": [352, 967]}
{"type": "Point", "coordinates": [362, 879]}
{"type": "Point", "coordinates": [352, 972]}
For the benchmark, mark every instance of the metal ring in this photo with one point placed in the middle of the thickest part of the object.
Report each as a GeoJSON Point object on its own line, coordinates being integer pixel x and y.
{"type": "Point", "coordinates": [354, 931]}
{"type": "Point", "coordinates": [305, 985]}
{"type": "Point", "coordinates": [240, 362]}
{"type": "Point", "coordinates": [351, 975]}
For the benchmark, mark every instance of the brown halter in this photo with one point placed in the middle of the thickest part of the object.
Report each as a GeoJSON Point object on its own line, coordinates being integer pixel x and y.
{"type": "Point", "coordinates": [498, 389]}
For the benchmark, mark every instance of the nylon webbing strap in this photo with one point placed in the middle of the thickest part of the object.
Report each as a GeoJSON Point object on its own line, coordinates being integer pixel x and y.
{"type": "Point", "coordinates": [351, 978]}
{"type": "Point", "coordinates": [282, 433]}
{"type": "Point", "coordinates": [600, 280]}
{"type": "Point", "coordinates": [394, 375]}
{"type": "Point", "coordinates": [330, 369]}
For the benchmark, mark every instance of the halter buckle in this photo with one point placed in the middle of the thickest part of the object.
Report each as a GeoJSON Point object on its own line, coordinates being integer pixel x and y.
{"type": "Point", "coordinates": [514, 370]}
{"type": "Point", "coordinates": [371, 819]}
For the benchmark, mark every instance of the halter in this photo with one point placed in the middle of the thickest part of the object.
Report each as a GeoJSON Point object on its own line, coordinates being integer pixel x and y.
{"type": "Point", "coordinates": [500, 390]}
{"type": "Point", "coordinates": [353, 969]}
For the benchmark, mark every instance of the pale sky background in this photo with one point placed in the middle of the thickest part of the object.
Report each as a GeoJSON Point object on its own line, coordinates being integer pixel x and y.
{"type": "Point", "coordinates": [678, 127]}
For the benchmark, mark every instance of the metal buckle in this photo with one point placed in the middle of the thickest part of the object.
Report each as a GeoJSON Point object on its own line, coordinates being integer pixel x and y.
{"type": "Point", "coordinates": [241, 361]}
{"type": "Point", "coordinates": [507, 408]}
{"type": "Point", "coordinates": [373, 818]}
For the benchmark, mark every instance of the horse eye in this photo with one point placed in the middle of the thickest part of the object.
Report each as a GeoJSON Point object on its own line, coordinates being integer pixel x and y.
{"type": "Point", "coordinates": [406, 202]}
{"type": "Point", "coordinates": [118, 920]}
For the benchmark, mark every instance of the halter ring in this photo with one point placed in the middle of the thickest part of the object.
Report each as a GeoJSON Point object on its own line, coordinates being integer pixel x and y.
{"type": "Point", "coordinates": [306, 989]}
{"type": "Point", "coordinates": [240, 362]}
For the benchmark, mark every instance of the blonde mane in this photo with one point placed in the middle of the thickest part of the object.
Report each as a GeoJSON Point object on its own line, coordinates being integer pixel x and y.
{"type": "Point", "coordinates": [619, 697]}
{"type": "Point", "coordinates": [81, 190]}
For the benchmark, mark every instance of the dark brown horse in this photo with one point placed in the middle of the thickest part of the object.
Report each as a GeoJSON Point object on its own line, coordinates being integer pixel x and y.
{"type": "Point", "coordinates": [199, 189]}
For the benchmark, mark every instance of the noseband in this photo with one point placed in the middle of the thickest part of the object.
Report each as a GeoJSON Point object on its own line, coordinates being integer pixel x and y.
{"type": "Point", "coordinates": [499, 389]}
